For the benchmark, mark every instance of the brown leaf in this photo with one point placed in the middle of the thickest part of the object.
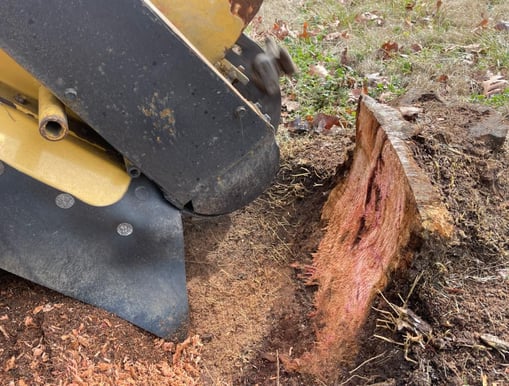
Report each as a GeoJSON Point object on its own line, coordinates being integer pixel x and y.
{"type": "Point", "coordinates": [318, 70]}
{"type": "Point", "coordinates": [323, 121]}
{"type": "Point", "coordinates": [416, 47]}
{"type": "Point", "coordinates": [388, 50]}
{"type": "Point", "coordinates": [496, 84]}
{"type": "Point", "coordinates": [438, 6]}
{"type": "Point", "coordinates": [443, 78]}
{"type": "Point", "coordinates": [502, 26]}
{"type": "Point", "coordinates": [304, 34]}
{"type": "Point", "coordinates": [280, 29]}
{"type": "Point", "coordinates": [410, 5]}
{"type": "Point", "coordinates": [483, 24]}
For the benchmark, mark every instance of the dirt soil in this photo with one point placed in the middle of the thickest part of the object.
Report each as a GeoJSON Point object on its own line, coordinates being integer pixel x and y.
{"type": "Point", "coordinates": [248, 304]}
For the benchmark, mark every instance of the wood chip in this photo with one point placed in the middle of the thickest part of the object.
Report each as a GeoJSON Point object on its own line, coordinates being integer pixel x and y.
{"type": "Point", "coordinates": [4, 333]}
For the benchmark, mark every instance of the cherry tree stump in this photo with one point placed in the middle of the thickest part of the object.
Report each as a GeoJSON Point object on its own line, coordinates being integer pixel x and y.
{"type": "Point", "coordinates": [375, 219]}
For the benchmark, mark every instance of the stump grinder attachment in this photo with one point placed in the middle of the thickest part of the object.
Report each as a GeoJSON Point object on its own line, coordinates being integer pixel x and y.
{"type": "Point", "coordinates": [115, 117]}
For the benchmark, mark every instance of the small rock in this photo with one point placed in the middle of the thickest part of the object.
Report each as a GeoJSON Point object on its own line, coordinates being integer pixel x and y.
{"type": "Point", "coordinates": [492, 130]}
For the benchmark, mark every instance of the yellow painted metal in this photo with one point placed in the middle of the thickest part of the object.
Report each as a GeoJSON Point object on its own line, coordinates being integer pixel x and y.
{"type": "Point", "coordinates": [208, 24]}
{"type": "Point", "coordinates": [53, 123]}
{"type": "Point", "coordinates": [70, 165]}
{"type": "Point", "coordinates": [16, 77]}
{"type": "Point", "coordinates": [73, 165]}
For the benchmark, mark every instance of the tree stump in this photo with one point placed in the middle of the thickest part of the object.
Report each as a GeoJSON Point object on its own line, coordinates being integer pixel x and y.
{"type": "Point", "coordinates": [375, 219]}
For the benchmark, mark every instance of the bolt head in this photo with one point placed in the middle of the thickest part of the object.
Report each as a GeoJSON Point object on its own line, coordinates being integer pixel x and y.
{"type": "Point", "coordinates": [71, 93]}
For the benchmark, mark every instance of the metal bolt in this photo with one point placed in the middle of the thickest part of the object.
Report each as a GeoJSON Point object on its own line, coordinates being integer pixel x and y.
{"type": "Point", "coordinates": [141, 193]}
{"type": "Point", "coordinates": [125, 229]}
{"type": "Point", "coordinates": [64, 201]}
{"type": "Point", "coordinates": [71, 93]}
{"type": "Point", "coordinates": [240, 112]}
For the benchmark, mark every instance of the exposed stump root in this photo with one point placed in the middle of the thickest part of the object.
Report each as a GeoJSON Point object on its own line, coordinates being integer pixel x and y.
{"type": "Point", "coordinates": [376, 218]}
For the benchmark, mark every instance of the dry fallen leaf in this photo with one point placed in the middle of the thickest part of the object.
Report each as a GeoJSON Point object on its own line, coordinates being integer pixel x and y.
{"type": "Point", "coordinates": [416, 47]}
{"type": "Point", "coordinates": [323, 121]}
{"type": "Point", "coordinates": [502, 26]}
{"type": "Point", "coordinates": [443, 78]}
{"type": "Point", "coordinates": [483, 24]}
{"type": "Point", "coordinates": [438, 6]}
{"type": "Point", "coordinates": [410, 5]}
{"type": "Point", "coordinates": [304, 34]}
{"type": "Point", "coordinates": [318, 70]}
{"type": "Point", "coordinates": [280, 29]}
{"type": "Point", "coordinates": [496, 84]}
{"type": "Point", "coordinates": [388, 50]}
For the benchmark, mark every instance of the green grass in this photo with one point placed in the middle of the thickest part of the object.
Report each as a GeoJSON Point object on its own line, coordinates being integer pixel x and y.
{"type": "Point", "coordinates": [453, 46]}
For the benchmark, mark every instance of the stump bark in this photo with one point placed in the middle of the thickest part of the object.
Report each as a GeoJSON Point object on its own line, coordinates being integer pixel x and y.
{"type": "Point", "coordinates": [375, 219]}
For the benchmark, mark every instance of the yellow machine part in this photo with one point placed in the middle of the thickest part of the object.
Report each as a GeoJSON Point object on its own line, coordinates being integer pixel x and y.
{"type": "Point", "coordinates": [208, 24]}
{"type": "Point", "coordinates": [73, 165]}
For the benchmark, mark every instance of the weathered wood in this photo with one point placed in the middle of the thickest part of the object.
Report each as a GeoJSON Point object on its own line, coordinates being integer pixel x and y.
{"type": "Point", "coordinates": [376, 218]}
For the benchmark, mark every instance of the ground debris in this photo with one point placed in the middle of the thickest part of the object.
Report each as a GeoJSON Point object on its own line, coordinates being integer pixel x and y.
{"type": "Point", "coordinates": [495, 342]}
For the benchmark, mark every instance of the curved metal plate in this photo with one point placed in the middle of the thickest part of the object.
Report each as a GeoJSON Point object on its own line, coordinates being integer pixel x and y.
{"type": "Point", "coordinates": [127, 258]}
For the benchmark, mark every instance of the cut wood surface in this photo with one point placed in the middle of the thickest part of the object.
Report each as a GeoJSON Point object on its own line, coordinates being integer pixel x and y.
{"type": "Point", "coordinates": [376, 218]}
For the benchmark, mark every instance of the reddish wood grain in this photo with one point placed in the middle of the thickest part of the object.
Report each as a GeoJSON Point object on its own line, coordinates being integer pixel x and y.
{"type": "Point", "coordinates": [376, 218]}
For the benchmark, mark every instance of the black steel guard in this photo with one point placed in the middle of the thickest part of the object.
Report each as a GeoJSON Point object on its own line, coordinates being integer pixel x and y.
{"type": "Point", "coordinates": [133, 79]}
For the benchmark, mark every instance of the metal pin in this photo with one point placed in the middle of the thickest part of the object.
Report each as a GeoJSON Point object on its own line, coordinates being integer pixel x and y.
{"type": "Point", "coordinates": [125, 229]}
{"type": "Point", "coordinates": [64, 201]}
{"type": "Point", "coordinates": [71, 94]}
{"type": "Point", "coordinates": [240, 112]}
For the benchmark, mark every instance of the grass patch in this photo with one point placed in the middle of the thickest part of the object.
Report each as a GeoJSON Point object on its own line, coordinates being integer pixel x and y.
{"type": "Point", "coordinates": [448, 49]}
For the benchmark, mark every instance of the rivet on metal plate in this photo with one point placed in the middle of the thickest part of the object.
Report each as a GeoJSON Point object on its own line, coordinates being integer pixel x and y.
{"type": "Point", "coordinates": [64, 201]}
{"type": "Point", "coordinates": [125, 229]}
{"type": "Point", "coordinates": [141, 193]}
